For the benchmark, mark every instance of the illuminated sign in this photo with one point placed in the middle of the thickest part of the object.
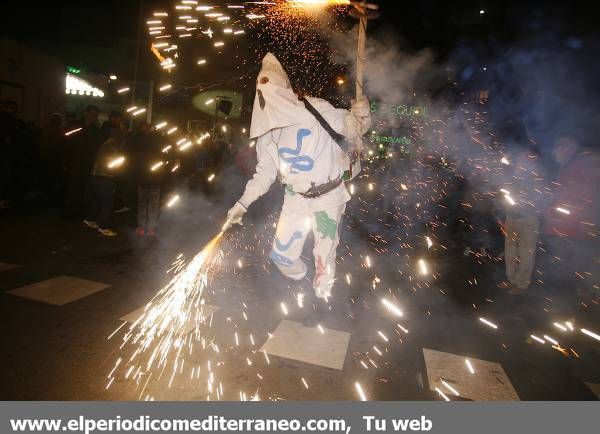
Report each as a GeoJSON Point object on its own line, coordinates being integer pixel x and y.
{"type": "Point", "coordinates": [77, 86]}
{"type": "Point", "coordinates": [398, 109]}
{"type": "Point", "coordinates": [401, 140]}
{"type": "Point", "coordinates": [73, 70]}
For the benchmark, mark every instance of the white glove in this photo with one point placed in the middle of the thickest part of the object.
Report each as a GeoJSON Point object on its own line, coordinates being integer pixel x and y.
{"type": "Point", "coordinates": [361, 112]}
{"type": "Point", "coordinates": [361, 107]}
{"type": "Point", "coordinates": [357, 122]}
{"type": "Point", "coordinates": [234, 216]}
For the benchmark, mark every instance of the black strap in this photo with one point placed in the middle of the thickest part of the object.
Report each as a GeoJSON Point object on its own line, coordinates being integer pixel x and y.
{"type": "Point", "coordinates": [337, 137]}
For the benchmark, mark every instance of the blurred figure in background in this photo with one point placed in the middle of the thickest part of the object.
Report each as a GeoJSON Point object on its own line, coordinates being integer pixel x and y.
{"type": "Point", "coordinates": [112, 125]}
{"type": "Point", "coordinates": [524, 198]}
{"type": "Point", "coordinates": [51, 147]}
{"type": "Point", "coordinates": [70, 121]}
{"type": "Point", "coordinates": [149, 172]}
{"type": "Point", "coordinates": [20, 145]}
{"type": "Point", "coordinates": [116, 128]}
{"type": "Point", "coordinates": [9, 129]}
{"type": "Point", "coordinates": [81, 149]}
{"type": "Point", "coordinates": [245, 158]}
{"type": "Point", "coordinates": [571, 224]}
{"type": "Point", "coordinates": [100, 192]}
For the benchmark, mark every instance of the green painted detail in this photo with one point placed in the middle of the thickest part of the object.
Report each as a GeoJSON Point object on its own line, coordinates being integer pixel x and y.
{"type": "Point", "coordinates": [289, 190]}
{"type": "Point", "coordinates": [326, 226]}
{"type": "Point", "coordinates": [346, 175]}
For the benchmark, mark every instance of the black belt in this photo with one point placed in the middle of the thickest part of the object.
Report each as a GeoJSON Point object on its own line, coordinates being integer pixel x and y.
{"type": "Point", "coordinates": [319, 190]}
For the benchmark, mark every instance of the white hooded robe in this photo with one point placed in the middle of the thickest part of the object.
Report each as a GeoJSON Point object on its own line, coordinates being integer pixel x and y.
{"type": "Point", "coordinates": [292, 145]}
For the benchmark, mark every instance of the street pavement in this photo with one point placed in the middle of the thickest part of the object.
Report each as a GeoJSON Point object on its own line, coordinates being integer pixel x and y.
{"type": "Point", "coordinates": [67, 290]}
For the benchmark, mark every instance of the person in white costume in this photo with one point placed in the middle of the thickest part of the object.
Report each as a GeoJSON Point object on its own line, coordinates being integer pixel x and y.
{"type": "Point", "coordinates": [294, 146]}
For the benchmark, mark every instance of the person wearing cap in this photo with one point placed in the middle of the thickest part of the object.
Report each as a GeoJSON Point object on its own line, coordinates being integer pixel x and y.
{"type": "Point", "coordinates": [299, 142]}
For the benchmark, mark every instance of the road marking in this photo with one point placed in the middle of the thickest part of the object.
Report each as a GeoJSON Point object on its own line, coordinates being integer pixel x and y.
{"type": "Point", "coordinates": [59, 290]}
{"type": "Point", "coordinates": [489, 382]}
{"type": "Point", "coordinates": [291, 340]}
{"type": "Point", "coordinates": [5, 267]}
{"type": "Point", "coordinates": [594, 388]}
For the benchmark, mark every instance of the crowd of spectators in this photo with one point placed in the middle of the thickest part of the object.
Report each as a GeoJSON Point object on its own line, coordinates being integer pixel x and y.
{"type": "Point", "coordinates": [83, 170]}
{"type": "Point", "coordinates": [546, 201]}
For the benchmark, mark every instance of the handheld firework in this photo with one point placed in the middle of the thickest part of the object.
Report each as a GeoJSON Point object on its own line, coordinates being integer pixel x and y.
{"type": "Point", "coordinates": [362, 11]}
{"type": "Point", "coordinates": [172, 321]}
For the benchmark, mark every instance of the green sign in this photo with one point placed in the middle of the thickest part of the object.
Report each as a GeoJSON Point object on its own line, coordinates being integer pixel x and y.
{"type": "Point", "coordinates": [402, 140]}
{"type": "Point", "coordinates": [73, 70]}
{"type": "Point", "coordinates": [398, 109]}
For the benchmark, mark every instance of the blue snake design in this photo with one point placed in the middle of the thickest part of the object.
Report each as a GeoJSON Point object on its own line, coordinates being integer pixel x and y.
{"type": "Point", "coordinates": [283, 247]}
{"type": "Point", "coordinates": [278, 258]}
{"type": "Point", "coordinates": [298, 162]}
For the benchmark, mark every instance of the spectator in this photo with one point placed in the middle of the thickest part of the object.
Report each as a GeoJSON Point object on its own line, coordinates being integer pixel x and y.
{"type": "Point", "coordinates": [571, 223]}
{"type": "Point", "coordinates": [112, 126]}
{"type": "Point", "coordinates": [20, 153]}
{"type": "Point", "coordinates": [245, 159]}
{"type": "Point", "coordinates": [100, 194]}
{"type": "Point", "coordinates": [523, 198]}
{"type": "Point", "coordinates": [81, 148]}
{"type": "Point", "coordinates": [146, 152]}
{"type": "Point", "coordinates": [116, 128]}
{"type": "Point", "coordinates": [71, 121]}
{"type": "Point", "coordinates": [9, 127]}
{"type": "Point", "coordinates": [51, 147]}
{"type": "Point", "coordinates": [125, 186]}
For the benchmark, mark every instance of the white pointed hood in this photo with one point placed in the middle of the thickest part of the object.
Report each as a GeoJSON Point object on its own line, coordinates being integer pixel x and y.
{"type": "Point", "coordinates": [275, 103]}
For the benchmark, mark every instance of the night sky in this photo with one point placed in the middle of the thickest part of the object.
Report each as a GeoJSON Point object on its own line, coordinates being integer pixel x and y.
{"type": "Point", "coordinates": [429, 23]}
{"type": "Point", "coordinates": [557, 37]}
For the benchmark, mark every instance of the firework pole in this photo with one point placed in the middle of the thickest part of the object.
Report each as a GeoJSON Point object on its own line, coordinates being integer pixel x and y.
{"type": "Point", "coordinates": [360, 54]}
{"type": "Point", "coordinates": [363, 11]}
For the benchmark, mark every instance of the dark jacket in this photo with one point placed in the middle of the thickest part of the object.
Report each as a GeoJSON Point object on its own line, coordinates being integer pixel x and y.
{"type": "Point", "coordinates": [81, 149]}
{"type": "Point", "coordinates": [145, 151]}
{"type": "Point", "coordinates": [108, 152]}
{"type": "Point", "coordinates": [577, 189]}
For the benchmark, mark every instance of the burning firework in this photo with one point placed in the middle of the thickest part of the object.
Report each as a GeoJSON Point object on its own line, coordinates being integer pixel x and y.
{"type": "Point", "coordinates": [160, 335]}
{"type": "Point", "coordinates": [156, 166]}
{"type": "Point", "coordinates": [117, 162]}
{"type": "Point", "coordinates": [173, 201]}
{"type": "Point", "coordinates": [392, 307]}
{"type": "Point", "coordinates": [68, 133]}
{"type": "Point", "coordinates": [305, 3]}
{"type": "Point", "coordinates": [359, 390]}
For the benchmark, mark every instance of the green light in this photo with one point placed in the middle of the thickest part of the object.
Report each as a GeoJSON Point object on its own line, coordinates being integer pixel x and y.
{"type": "Point", "coordinates": [402, 140]}
{"type": "Point", "coordinates": [73, 70]}
{"type": "Point", "coordinates": [398, 109]}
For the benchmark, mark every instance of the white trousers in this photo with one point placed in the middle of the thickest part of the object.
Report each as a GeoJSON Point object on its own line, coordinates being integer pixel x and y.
{"type": "Point", "coordinates": [294, 226]}
{"type": "Point", "coordinates": [519, 249]}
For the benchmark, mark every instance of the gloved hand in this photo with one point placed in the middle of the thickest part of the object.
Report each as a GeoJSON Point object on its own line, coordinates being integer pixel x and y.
{"type": "Point", "coordinates": [357, 122]}
{"type": "Point", "coordinates": [234, 216]}
{"type": "Point", "coordinates": [361, 107]}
